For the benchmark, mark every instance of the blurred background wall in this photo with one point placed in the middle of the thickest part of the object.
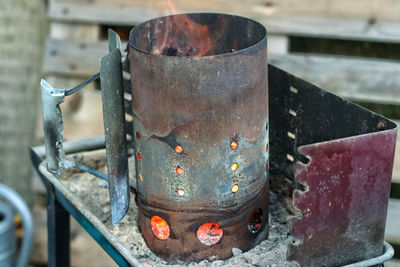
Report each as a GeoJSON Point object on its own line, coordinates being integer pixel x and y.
{"type": "Point", "coordinates": [22, 29]}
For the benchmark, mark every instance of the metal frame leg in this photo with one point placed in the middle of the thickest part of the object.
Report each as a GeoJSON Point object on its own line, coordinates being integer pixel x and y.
{"type": "Point", "coordinates": [58, 231]}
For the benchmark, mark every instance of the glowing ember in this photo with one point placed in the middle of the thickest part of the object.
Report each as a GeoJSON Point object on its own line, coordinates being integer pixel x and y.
{"type": "Point", "coordinates": [178, 149]}
{"type": "Point", "coordinates": [234, 166]}
{"type": "Point", "coordinates": [180, 192]}
{"type": "Point", "coordinates": [234, 144]}
{"type": "Point", "coordinates": [179, 170]}
{"type": "Point", "coordinates": [140, 178]}
{"type": "Point", "coordinates": [137, 135]}
{"type": "Point", "coordinates": [266, 148]}
{"type": "Point", "coordinates": [235, 188]}
{"type": "Point", "coordinates": [255, 221]}
{"type": "Point", "coordinates": [159, 227]}
{"type": "Point", "coordinates": [139, 157]}
{"type": "Point", "coordinates": [209, 233]}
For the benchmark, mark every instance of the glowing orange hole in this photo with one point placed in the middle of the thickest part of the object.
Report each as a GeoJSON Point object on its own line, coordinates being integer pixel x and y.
{"type": "Point", "coordinates": [137, 135]}
{"type": "Point", "coordinates": [139, 157]}
{"type": "Point", "coordinates": [234, 144]}
{"type": "Point", "coordinates": [178, 149]}
{"type": "Point", "coordinates": [159, 227]}
{"type": "Point", "coordinates": [180, 192]}
{"type": "Point", "coordinates": [209, 233]}
{"type": "Point", "coordinates": [234, 166]}
{"type": "Point", "coordinates": [235, 188]}
{"type": "Point", "coordinates": [266, 149]}
{"type": "Point", "coordinates": [140, 178]}
{"type": "Point", "coordinates": [179, 170]}
{"type": "Point", "coordinates": [255, 221]}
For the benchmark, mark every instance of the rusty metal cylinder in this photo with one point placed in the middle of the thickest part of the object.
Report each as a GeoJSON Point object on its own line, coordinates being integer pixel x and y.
{"type": "Point", "coordinates": [200, 115]}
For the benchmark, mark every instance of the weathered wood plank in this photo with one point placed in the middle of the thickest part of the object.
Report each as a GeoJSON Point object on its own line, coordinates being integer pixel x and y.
{"type": "Point", "coordinates": [73, 57]}
{"type": "Point", "coordinates": [369, 9]}
{"type": "Point", "coordinates": [369, 27]}
{"type": "Point", "coordinates": [392, 232]}
{"type": "Point", "coordinates": [356, 78]}
{"type": "Point", "coordinates": [73, 31]}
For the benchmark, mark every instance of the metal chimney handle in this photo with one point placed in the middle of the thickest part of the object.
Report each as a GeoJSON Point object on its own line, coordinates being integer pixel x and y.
{"type": "Point", "coordinates": [114, 127]}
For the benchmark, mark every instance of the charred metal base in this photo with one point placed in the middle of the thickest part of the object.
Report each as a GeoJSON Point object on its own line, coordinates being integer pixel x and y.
{"type": "Point", "coordinates": [183, 243]}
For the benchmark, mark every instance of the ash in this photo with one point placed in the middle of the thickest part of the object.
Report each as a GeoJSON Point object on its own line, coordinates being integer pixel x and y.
{"type": "Point", "coordinates": [93, 192]}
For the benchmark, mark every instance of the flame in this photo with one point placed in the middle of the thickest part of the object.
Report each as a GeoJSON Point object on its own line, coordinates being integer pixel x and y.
{"type": "Point", "coordinates": [181, 36]}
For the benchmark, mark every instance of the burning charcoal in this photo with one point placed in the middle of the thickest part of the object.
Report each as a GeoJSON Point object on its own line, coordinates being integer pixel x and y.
{"type": "Point", "coordinates": [192, 51]}
{"type": "Point", "coordinates": [170, 51]}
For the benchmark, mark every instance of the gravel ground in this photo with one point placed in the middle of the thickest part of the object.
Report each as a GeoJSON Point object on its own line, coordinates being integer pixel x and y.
{"type": "Point", "coordinates": [93, 192]}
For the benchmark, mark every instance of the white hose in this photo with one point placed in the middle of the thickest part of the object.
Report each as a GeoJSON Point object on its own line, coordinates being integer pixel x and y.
{"type": "Point", "coordinates": [27, 222]}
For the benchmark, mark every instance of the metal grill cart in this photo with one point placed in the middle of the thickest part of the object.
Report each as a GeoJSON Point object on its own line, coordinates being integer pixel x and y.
{"type": "Point", "coordinates": [335, 157]}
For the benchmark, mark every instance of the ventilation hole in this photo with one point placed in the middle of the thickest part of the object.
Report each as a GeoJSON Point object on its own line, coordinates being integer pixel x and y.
{"type": "Point", "coordinates": [178, 149]}
{"type": "Point", "coordinates": [180, 192]}
{"type": "Point", "coordinates": [209, 233]}
{"type": "Point", "coordinates": [255, 221]}
{"type": "Point", "coordinates": [234, 145]}
{"type": "Point", "coordinates": [126, 75]}
{"type": "Point", "coordinates": [179, 170]}
{"type": "Point", "coordinates": [291, 135]}
{"type": "Point", "coordinates": [290, 157]}
{"type": "Point", "coordinates": [2, 216]}
{"type": "Point", "coordinates": [139, 157]}
{"type": "Point", "coordinates": [234, 166]}
{"type": "Point", "coordinates": [267, 168]}
{"type": "Point", "coordinates": [266, 148]}
{"type": "Point", "coordinates": [127, 96]}
{"type": "Point", "coordinates": [159, 227]}
{"type": "Point", "coordinates": [292, 112]}
{"type": "Point", "coordinates": [293, 90]}
{"type": "Point", "coordinates": [235, 188]}
{"type": "Point", "coordinates": [140, 178]}
{"type": "Point", "coordinates": [137, 136]}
